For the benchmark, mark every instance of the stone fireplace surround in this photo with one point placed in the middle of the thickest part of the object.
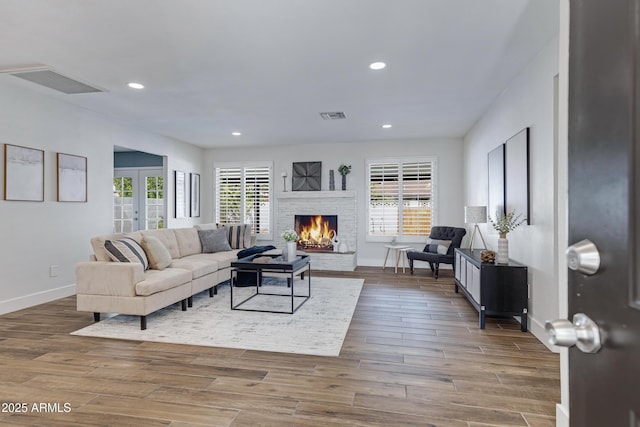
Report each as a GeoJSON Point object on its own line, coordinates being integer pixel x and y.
{"type": "Point", "coordinates": [341, 203]}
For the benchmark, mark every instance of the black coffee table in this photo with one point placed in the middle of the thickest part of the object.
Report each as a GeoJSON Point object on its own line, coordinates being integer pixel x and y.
{"type": "Point", "coordinates": [272, 266]}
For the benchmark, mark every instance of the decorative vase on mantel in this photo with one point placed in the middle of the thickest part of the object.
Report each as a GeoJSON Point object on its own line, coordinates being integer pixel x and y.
{"type": "Point", "coordinates": [332, 182]}
{"type": "Point", "coordinates": [291, 251]}
{"type": "Point", "coordinates": [503, 250]}
{"type": "Point", "coordinates": [344, 170]}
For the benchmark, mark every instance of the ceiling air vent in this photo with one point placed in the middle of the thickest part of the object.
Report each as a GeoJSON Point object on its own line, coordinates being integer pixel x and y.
{"type": "Point", "coordinates": [53, 80]}
{"type": "Point", "coordinates": [336, 115]}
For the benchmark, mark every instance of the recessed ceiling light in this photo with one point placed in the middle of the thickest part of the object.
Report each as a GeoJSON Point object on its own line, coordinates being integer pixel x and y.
{"type": "Point", "coordinates": [377, 66]}
{"type": "Point", "coordinates": [387, 126]}
{"type": "Point", "coordinates": [134, 85]}
{"type": "Point", "coordinates": [236, 133]}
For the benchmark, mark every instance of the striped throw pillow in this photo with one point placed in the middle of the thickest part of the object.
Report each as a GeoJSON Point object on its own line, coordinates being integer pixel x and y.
{"type": "Point", "coordinates": [126, 249]}
{"type": "Point", "coordinates": [438, 246]}
{"type": "Point", "coordinates": [238, 235]}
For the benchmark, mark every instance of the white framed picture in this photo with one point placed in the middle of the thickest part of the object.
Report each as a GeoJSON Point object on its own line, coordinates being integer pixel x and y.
{"type": "Point", "coordinates": [72, 178]}
{"type": "Point", "coordinates": [195, 194]}
{"type": "Point", "coordinates": [23, 173]}
{"type": "Point", "coordinates": [180, 183]}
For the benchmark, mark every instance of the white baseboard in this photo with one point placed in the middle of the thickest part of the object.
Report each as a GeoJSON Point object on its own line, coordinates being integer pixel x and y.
{"type": "Point", "coordinates": [538, 330]}
{"type": "Point", "coordinates": [27, 301]}
{"type": "Point", "coordinates": [562, 416]}
{"type": "Point", "coordinates": [377, 262]}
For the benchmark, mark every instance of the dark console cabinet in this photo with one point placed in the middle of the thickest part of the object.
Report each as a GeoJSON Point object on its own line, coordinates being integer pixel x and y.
{"type": "Point", "coordinates": [493, 289]}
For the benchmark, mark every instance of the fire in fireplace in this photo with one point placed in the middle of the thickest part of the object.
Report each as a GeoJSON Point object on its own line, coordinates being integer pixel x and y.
{"type": "Point", "coordinates": [316, 231]}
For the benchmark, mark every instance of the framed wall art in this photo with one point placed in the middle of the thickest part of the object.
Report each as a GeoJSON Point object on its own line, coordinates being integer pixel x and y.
{"type": "Point", "coordinates": [307, 176]}
{"type": "Point", "coordinates": [23, 173]}
{"type": "Point", "coordinates": [517, 174]}
{"type": "Point", "coordinates": [195, 194]}
{"type": "Point", "coordinates": [180, 187]}
{"type": "Point", "coordinates": [496, 187]}
{"type": "Point", "coordinates": [72, 178]}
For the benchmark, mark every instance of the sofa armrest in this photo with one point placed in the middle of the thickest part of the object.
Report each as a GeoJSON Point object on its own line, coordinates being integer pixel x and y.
{"type": "Point", "coordinates": [108, 278]}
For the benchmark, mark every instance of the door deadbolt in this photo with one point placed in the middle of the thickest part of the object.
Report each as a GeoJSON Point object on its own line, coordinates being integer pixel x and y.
{"type": "Point", "coordinates": [583, 333]}
{"type": "Point", "coordinates": [583, 257]}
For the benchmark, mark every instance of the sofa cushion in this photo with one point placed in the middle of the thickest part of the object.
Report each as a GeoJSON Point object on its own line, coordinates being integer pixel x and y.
{"type": "Point", "coordinates": [238, 235]}
{"type": "Point", "coordinates": [214, 240]}
{"type": "Point", "coordinates": [188, 241]}
{"type": "Point", "coordinates": [126, 249]}
{"type": "Point", "coordinates": [168, 239]}
{"type": "Point", "coordinates": [157, 281]}
{"type": "Point", "coordinates": [158, 255]}
{"type": "Point", "coordinates": [197, 266]}
{"type": "Point", "coordinates": [210, 226]}
{"type": "Point", "coordinates": [223, 259]}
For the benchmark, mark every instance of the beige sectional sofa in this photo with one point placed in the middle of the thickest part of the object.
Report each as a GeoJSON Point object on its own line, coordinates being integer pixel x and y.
{"type": "Point", "coordinates": [105, 286]}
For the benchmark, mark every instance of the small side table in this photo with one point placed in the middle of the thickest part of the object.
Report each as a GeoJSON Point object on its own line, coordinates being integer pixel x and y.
{"type": "Point", "coordinates": [398, 251]}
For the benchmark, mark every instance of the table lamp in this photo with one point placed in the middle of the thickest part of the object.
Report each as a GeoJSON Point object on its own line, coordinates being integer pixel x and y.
{"type": "Point", "coordinates": [475, 215]}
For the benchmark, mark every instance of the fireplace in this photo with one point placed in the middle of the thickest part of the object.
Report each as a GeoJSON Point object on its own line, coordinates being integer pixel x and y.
{"type": "Point", "coordinates": [316, 232]}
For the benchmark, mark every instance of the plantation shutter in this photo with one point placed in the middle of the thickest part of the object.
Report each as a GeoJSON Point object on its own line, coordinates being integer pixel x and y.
{"type": "Point", "coordinates": [229, 203]}
{"type": "Point", "coordinates": [244, 196]}
{"type": "Point", "coordinates": [383, 199]}
{"type": "Point", "coordinates": [400, 198]}
{"type": "Point", "coordinates": [257, 198]}
{"type": "Point", "coordinates": [416, 199]}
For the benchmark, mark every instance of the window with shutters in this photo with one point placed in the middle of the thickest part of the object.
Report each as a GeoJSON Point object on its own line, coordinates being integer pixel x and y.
{"type": "Point", "coordinates": [243, 195]}
{"type": "Point", "coordinates": [400, 199]}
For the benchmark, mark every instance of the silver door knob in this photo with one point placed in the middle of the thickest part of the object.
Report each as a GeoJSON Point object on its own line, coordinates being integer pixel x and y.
{"type": "Point", "coordinates": [583, 333]}
{"type": "Point", "coordinates": [583, 257]}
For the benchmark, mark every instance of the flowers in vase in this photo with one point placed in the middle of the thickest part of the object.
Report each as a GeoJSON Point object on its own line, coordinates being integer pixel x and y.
{"type": "Point", "coordinates": [289, 235]}
{"type": "Point", "coordinates": [506, 223]}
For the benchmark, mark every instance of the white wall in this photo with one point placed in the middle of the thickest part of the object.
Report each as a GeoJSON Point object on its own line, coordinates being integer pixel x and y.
{"type": "Point", "coordinates": [36, 235]}
{"type": "Point", "coordinates": [449, 179]}
{"type": "Point", "coordinates": [528, 101]}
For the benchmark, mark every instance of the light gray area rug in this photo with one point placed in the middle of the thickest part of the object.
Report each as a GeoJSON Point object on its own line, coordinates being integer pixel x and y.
{"type": "Point", "coordinates": [318, 327]}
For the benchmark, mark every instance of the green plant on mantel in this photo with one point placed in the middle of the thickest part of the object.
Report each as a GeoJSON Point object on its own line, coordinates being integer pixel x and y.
{"type": "Point", "coordinates": [344, 169]}
{"type": "Point", "coordinates": [506, 223]}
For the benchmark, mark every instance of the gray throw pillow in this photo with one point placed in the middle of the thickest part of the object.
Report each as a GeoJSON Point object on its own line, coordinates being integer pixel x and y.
{"type": "Point", "coordinates": [214, 240]}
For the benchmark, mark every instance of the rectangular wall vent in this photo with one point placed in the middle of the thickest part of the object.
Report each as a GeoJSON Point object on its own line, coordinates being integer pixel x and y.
{"type": "Point", "coordinates": [56, 81]}
{"type": "Point", "coordinates": [336, 115]}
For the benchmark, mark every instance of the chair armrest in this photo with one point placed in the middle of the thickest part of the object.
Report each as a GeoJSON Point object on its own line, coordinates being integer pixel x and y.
{"type": "Point", "coordinates": [108, 278]}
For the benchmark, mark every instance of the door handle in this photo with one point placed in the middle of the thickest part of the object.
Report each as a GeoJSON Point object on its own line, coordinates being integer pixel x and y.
{"type": "Point", "coordinates": [583, 333]}
{"type": "Point", "coordinates": [583, 257]}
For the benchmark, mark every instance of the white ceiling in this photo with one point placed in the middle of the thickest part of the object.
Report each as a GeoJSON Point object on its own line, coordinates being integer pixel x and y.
{"type": "Point", "coordinates": [267, 68]}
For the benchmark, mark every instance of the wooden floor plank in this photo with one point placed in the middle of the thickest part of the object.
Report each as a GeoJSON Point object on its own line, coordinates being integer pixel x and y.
{"type": "Point", "coordinates": [413, 356]}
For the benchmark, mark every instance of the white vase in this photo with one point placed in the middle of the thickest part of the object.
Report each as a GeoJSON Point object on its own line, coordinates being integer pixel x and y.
{"type": "Point", "coordinates": [503, 251]}
{"type": "Point", "coordinates": [291, 251]}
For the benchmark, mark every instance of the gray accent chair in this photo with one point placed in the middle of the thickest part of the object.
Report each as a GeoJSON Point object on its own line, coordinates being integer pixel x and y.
{"type": "Point", "coordinates": [455, 234]}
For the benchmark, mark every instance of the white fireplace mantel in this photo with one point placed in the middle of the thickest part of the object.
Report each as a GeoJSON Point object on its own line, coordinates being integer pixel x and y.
{"type": "Point", "coordinates": [316, 194]}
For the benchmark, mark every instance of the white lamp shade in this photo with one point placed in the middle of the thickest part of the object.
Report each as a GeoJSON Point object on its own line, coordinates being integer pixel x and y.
{"type": "Point", "coordinates": [475, 214]}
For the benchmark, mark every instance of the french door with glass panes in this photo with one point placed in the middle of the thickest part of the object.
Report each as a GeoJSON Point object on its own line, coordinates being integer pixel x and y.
{"type": "Point", "coordinates": [138, 200]}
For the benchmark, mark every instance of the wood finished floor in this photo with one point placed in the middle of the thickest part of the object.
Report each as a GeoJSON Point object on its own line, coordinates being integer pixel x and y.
{"type": "Point", "coordinates": [413, 356]}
